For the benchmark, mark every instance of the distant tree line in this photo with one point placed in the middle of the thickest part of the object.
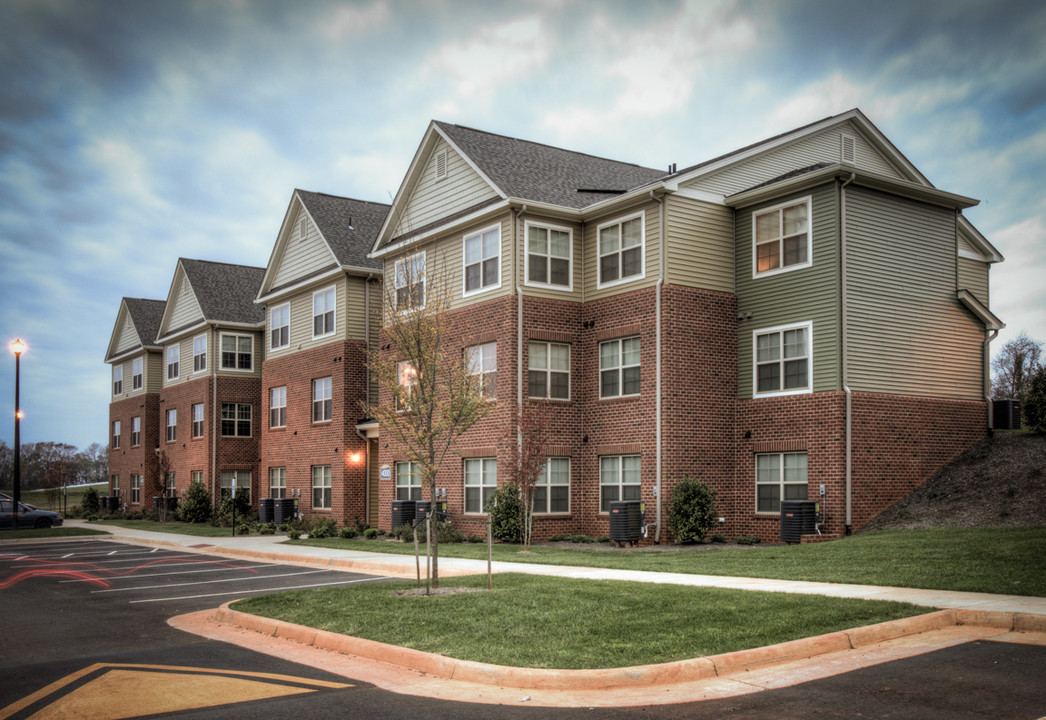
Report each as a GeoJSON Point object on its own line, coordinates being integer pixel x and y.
{"type": "Point", "coordinates": [51, 465]}
{"type": "Point", "coordinates": [1020, 374]}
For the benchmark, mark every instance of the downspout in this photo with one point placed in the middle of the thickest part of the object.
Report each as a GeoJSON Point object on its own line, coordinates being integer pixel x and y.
{"type": "Point", "coordinates": [989, 336]}
{"type": "Point", "coordinates": [657, 363]}
{"type": "Point", "coordinates": [366, 393]}
{"type": "Point", "coordinates": [845, 350]}
{"type": "Point", "coordinates": [516, 241]}
{"type": "Point", "coordinates": [216, 417]}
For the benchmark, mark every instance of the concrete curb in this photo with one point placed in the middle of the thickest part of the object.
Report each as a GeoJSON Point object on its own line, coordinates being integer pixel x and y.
{"type": "Point", "coordinates": [696, 669]}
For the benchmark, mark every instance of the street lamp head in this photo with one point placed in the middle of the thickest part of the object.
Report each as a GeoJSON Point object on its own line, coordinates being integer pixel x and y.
{"type": "Point", "coordinates": [19, 414]}
{"type": "Point", "coordinates": [18, 346]}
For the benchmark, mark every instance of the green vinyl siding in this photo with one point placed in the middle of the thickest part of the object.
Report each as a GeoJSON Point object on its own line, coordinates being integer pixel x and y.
{"type": "Point", "coordinates": [908, 334]}
{"type": "Point", "coordinates": [700, 244]}
{"type": "Point", "coordinates": [808, 294]}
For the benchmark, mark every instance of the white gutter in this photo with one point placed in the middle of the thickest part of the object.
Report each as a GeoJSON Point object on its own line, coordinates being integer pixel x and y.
{"type": "Point", "coordinates": [845, 350]}
{"type": "Point", "coordinates": [657, 325]}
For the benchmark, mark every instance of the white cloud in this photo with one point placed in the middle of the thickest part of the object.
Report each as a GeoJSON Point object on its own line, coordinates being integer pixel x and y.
{"type": "Point", "coordinates": [354, 20]}
{"type": "Point", "coordinates": [1018, 291]}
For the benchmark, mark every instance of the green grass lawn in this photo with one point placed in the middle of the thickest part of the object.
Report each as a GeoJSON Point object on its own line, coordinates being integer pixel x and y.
{"type": "Point", "coordinates": [545, 622]}
{"type": "Point", "coordinates": [41, 533]}
{"type": "Point", "coordinates": [1009, 561]}
{"type": "Point", "coordinates": [171, 526]}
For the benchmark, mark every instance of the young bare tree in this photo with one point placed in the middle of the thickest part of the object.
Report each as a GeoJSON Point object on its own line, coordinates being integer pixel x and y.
{"type": "Point", "coordinates": [429, 397]}
{"type": "Point", "coordinates": [525, 453]}
{"type": "Point", "coordinates": [163, 468]}
{"type": "Point", "coordinates": [1015, 366]}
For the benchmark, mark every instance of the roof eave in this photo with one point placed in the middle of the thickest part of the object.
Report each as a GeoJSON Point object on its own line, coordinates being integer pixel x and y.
{"type": "Point", "coordinates": [986, 316]}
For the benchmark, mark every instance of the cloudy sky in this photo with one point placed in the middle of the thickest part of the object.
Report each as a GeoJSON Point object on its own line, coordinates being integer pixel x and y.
{"type": "Point", "coordinates": [132, 133]}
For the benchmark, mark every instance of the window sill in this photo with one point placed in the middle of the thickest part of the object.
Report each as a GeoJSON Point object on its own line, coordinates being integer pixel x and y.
{"type": "Point", "coordinates": [278, 428]}
{"type": "Point", "coordinates": [619, 398]}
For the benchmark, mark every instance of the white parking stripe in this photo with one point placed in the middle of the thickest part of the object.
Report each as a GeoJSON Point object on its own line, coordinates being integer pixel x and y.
{"type": "Point", "coordinates": [179, 572]}
{"type": "Point", "coordinates": [208, 582]}
{"type": "Point", "coordinates": [243, 592]}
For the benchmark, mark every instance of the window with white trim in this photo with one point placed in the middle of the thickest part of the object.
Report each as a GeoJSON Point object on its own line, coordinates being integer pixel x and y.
{"type": "Point", "coordinates": [136, 489]}
{"type": "Point", "coordinates": [481, 481]}
{"type": "Point", "coordinates": [236, 419]}
{"type": "Point", "coordinates": [116, 435]}
{"type": "Point", "coordinates": [171, 484]}
{"type": "Point", "coordinates": [136, 374]}
{"type": "Point", "coordinates": [619, 479]}
{"type": "Point", "coordinates": [136, 431]}
{"type": "Point", "coordinates": [172, 361]}
{"type": "Point", "coordinates": [197, 420]}
{"type": "Point", "coordinates": [117, 379]}
{"type": "Point", "coordinates": [172, 425]}
{"type": "Point", "coordinates": [196, 476]}
{"type": "Point", "coordinates": [280, 326]}
{"type": "Point", "coordinates": [277, 482]}
{"type": "Point", "coordinates": [549, 370]}
{"type": "Point", "coordinates": [621, 250]}
{"type": "Point", "coordinates": [782, 360]}
{"type": "Point", "coordinates": [323, 302]}
{"type": "Point", "coordinates": [779, 476]}
{"type": "Point", "coordinates": [482, 260]}
{"type": "Point", "coordinates": [321, 487]}
{"type": "Point", "coordinates": [278, 407]}
{"type": "Point", "coordinates": [482, 364]}
{"type": "Point", "coordinates": [552, 488]}
{"type": "Point", "coordinates": [237, 352]}
{"type": "Point", "coordinates": [321, 399]}
{"type": "Point", "coordinates": [410, 282]}
{"type": "Point", "coordinates": [408, 378]}
{"type": "Point", "coordinates": [408, 481]}
{"type": "Point", "coordinates": [240, 479]}
{"type": "Point", "coordinates": [549, 255]}
{"type": "Point", "coordinates": [619, 367]}
{"type": "Point", "coordinates": [199, 353]}
{"type": "Point", "coordinates": [781, 238]}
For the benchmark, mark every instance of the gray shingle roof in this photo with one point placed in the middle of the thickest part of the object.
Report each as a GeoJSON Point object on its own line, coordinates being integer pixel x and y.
{"type": "Point", "coordinates": [532, 171]}
{"type": "Point", "coordinates": [225, 292]}
{"type": "Point", "coordinates": [146, 316]}
{"type": "Point", "coordinates": [350, 226]}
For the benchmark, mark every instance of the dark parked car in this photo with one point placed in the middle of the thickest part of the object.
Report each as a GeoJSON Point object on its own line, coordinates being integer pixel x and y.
{"type": "Point", "coordinates": [28, 516]}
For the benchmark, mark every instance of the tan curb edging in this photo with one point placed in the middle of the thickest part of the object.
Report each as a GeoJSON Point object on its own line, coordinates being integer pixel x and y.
{"type": "Point", "coordinates": [630, 677]}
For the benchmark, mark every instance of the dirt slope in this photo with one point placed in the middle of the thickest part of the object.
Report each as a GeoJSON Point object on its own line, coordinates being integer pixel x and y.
{"type": "Point", "coordinates": [999, 482]}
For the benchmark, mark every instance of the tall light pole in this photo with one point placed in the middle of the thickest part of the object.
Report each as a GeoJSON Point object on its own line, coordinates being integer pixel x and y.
{"type": "Point", "coordinates": [17, 347]}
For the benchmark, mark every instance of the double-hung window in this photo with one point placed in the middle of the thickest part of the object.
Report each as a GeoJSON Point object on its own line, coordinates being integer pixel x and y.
{"type": "Point", "coordinates": [237, 352]}
{"type": "Point", "coordinates": [278, 406]}
{"type": "Point", "coordinates": [481, 480]}
{"type": "Point", "coordinates": [136, 431]}
{"type": "Point", "coordinates": [277, 482]}
{"type": "Point", "coordinates": [779, 476]}
{"type": "Point", "coordinates": [549, 371]}
{"type": "Point", "coordinates": [197, 420]}
{"type": "Point", "coordinates": [781, 237]}
{"type": "Point", "coordinates": [549, 251]}
{"type": "Point", "coordinates": [172, 361]}
{"type": "Point", "coordinates": [619, 367]}
{"type": "Point", "coordinates": [482, 362]}
{"type": "Point", "coordinates": [117, 379]}
{"type": "Point", "coordinates": [619, 479]}
{"type": "Point", "coordinates": [621, 251]}
{"type": "Point", "coordinates": [171, 484]}
{"type": "Point", "coordinates": [196, 476]}
{"type": "Point", "coordinates": [199, 353]}
{"type": "Point", "coordinates": [552, 489]}
{"type": "Point", "coordinates": [323, 302]}
{"type": "Point", "coordinates": [172, 425]}
{"type": "Point", "coordinates": [280, 326]}
{"type": "Point", "coordinates": [321, 399]}
{"type": "Point", "coordinates": [482, 260]}
{"type": "Point", "coordinates": [235, 479]}
{"type": "Point", "coordinates": [410, 282]}
{"type": "Point", "coordinates": [408, 481]}
{"type": "Point", "coordinates": [136, 374]}
{"type": "Point", "coordinates": [782, 360]}
{"type": "Point", "coordinates": [136, 489]}
{"type": "Point", "coordinates": [321, 487]}
{"type": "Point", "coordinates": [236, 419]}
{"type": "Point", "coordinates": [116, 435]}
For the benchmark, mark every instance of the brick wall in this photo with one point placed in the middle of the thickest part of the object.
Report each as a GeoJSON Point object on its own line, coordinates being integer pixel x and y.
{"type": "Point", "coordinates": [130, 459]}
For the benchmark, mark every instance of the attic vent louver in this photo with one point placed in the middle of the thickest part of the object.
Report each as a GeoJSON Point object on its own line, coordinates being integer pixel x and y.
{"type": "Point", "coordinates": [303, 229]}
{"type": "Point", "coordinates": [848, 149]}
{"type": "Point", "coordinates": [441, 164]}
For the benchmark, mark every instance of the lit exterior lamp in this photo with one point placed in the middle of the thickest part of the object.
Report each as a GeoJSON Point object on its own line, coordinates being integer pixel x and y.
{"type": "Point", "coordinates": [17, 347]}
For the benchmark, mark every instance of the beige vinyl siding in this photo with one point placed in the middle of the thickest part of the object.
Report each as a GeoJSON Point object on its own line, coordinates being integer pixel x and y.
{"type": "Point", "coordinates": [302, 256]}
{"type": "Point", "coordinates": [185, 373]}
{"type": "Point", "coordinates": [908, 334]}
{"type": "Point", "coordinates": [215, 355]}
{"type": "Point", "coordinates": [575, 259]}
{"type": "Point", "coordinates": [700, 244]}
{"type": "Point", "coordinates": [301, 318]}
{"type": "Point", "coordinates": [355, 303]}
{"type": "Point", "coordinates": [186, 310]}
{"type": "Point", "coordinates": [651, 252]}
{"type": "Point", "coordinates": [432, 199]}
{"type": "Point", "coordinates": [128, 376]}
{"type": "Point", "coordinates": [809, 294]}
{"type": "Point", "coordinates": [973, 276]}
{"type": "Point", "coordinates": [154, 372]}
{"type": "Point", "coordinates": [128, 336]}
{"type": "Point", "coordinates": [822, 147]}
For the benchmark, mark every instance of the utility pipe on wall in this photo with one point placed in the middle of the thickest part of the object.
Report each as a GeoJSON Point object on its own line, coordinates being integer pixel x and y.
{"type": "Point", "coordinates": [845, 350]}
{"type": "Point", "coordinates": [657, 326]}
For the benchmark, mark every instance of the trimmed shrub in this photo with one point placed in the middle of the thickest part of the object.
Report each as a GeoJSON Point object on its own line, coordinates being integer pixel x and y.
{"type": "Point", "coordinates": [89, 502]}
{"type": "Point", "coordinates": [692, 512]}
{"type": "Point", "coordinates": [348, 532]}
{"type": "Point", "coordinates": [196, 506]}
{"type": "Point", "coordinates": [506, 513]}
{"type": "Point", "coordinates": [748, 540]}
{"type": "Point", "coordinates": [371, 533]}
{"type": "Point", "coordinates": [323, 528]}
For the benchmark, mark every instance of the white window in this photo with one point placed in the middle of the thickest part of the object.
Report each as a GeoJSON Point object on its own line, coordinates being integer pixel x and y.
{"type": "Point", "coordinates": [237, 352]}
{"type": "Point", "coordinates": [482, 260]}
{"type": "Point", "coordinates": [172, 362]}
{"type": "Point", "coordinates": [196, 476]}
{"type": "Point", "coordinates": [117, 379]}
{"type": "Point", "coordinates": [116, 435]}
{"type": "Point", "coordinates": [323, 302]}
{"type": "Point", "coordinates": [408, 481]}
{"type": "Point", "coordinates": [482, 362]}
{"type": "Point", "coordinates": [481, 480]}
{"type": "Point", "coordinates": [236, 419]}
{"type": "Point", "coordinates": [782, 360]}
{"type": "Point", "coordinates": [549, 256]}
{"type": "Point", "coordinates": [238, 479]}
{"type": "Point", "coordinates": [781, 238]}
{"type": "Point", "coordinates": [171, 484]}
{"type": "Point", "coordinates": [172, 425]}
{"type": "Point", "coordinates": [779, 476]}
{"type": "Point", "coordinates": [621, 251]}
{"type": "Point", "coordinates": [321, 487]}
{"type": "Point", "coordinates": [136, 489]}
{"type": "Point", "coordinates": [136, 374]}
{"type": "Point", "coordinates": [321, 399]}
{"type": "Point", "coordinates": [619, 368]}
{"type": "Point", "coordinates": [410, 282]}
{"type": "Point", "coordinates": [136, 431]}
{"type": "Point", "coordinates": [619, 479]}
{"type": "Point", "coordinates": [199, 353]}
{"type": "Point", "coordinates": [197, 420]}
{"type": "Point", "coordinates": [552, 489]}
{"type": "Point", "coordinates": [277, 482]}
{"type": "Point", "coordinates": [280, 326]}
{"type": "Point", "coordinates": [278, 406]}
{"type": "Point", "coordinates": [408, 377]}
{"type": "Point", "coordinates": [549, 366]}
